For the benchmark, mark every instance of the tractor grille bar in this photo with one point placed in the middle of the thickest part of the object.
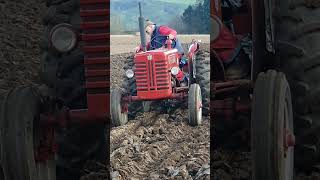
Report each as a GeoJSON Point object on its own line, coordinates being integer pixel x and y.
{"type": "Point", "coordinates": [152, 75]}
{"type": "Point", "coordinates": [95, 45]}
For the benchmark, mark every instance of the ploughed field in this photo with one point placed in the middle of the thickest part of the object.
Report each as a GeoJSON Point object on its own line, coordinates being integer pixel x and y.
{"type": "Point", "coordinates": [158, 144]}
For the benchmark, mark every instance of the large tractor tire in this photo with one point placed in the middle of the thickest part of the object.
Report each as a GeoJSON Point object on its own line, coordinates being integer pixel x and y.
{"type": "Point", "coordinates": [298, 47]}
{"type": "Point", "coordinates": [20, 136]}
{"type": "Point", "coordinates": [64, 74]}
{"type": "Point", "coordinates": [130, 87]}
{"type": "Point", "coordinates": [272, 137]}
{"type": "Point", "coordinates": [203, 78]}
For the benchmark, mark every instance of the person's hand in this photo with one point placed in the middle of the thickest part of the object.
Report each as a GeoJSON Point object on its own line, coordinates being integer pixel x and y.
{"type": "Point", "coordinates": [171, 36]}
{"type": "Point", "coordinates": [137, 49]}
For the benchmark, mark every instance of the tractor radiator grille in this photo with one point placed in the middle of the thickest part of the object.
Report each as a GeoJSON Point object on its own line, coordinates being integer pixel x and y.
{"type": "Point", "coordinates": [95, 45]}
{"type": "Point", "coordinates": [152, 75]}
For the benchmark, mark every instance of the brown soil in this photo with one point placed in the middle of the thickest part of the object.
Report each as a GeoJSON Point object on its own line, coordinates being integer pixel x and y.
{"type": "Point", "coordinates": [20, 32]}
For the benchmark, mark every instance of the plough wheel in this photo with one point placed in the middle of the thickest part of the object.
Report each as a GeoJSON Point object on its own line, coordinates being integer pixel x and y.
{"type": "Point", "coordinates": [19, 137]}
{"type": "Point", "coordinates": [272, 128]}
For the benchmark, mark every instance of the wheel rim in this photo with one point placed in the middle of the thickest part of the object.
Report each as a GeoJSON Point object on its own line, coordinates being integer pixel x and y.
{"type": "Point", "coordinates": [43, 135]}
{"type": "Point", "coordinates": [44, 150]}
{"type": "Point", "coordinates": [123, 110]}
{"type": "Point", "coordinates": [199, 106]}
{"type": "Point", "coordinates": [271, 120]}
{"type": "Point", "coordinates": [288, 143]}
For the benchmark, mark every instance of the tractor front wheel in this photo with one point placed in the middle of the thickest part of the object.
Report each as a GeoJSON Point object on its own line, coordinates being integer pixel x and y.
{"type": "Point", "coordinates": [146, 106]}
{"type": "Point", "coordinates": [119, 114]}
{"type": "Point", "coordinates": [195, 105]}
{"type": "Point", "coordinates": [272, 128]}
{"type": "Point", "coordinates": [20, 137]}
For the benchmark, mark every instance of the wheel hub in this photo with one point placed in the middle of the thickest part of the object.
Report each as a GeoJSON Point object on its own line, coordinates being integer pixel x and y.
{"type": "Point", "coordinates": [289, 140]}
{"type": "Point", "coordinates": [199, 105]}
{"type": "Point", "coordinates": [46, 147]}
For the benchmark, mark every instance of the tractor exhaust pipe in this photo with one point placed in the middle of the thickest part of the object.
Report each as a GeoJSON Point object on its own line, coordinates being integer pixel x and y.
{"type": "Point", "coordinates": [141, 28]}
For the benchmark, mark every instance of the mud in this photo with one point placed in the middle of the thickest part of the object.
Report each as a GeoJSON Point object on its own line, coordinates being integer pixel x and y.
{"type": "Point", "coordinates": [161, 146]}
{"type": "Point", "coordinates": [20, 32]}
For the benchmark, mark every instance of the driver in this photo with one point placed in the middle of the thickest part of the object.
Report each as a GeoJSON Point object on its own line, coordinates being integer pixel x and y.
{"type": "Point", "coordinates": [158, 36]}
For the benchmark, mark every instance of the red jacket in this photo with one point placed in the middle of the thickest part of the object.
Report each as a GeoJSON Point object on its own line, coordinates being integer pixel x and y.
{"type": "Point", "coordinates": [165, 30]}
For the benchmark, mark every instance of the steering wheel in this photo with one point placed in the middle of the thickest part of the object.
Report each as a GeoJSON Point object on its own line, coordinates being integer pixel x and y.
{"type": "Point", "coordinates": [162, 44]}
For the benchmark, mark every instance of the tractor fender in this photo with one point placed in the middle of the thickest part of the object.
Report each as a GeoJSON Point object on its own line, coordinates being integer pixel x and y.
{"type": "Point", "coordinates": [193, 48]}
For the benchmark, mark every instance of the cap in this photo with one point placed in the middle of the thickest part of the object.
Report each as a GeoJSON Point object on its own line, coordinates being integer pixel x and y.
{"type": "Point", "coordinates": [148, 23]}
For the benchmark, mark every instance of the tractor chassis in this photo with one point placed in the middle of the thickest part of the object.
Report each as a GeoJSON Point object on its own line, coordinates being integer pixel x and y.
{"type": "Point", "coordinates": [63, 118]}
{"type": "Point", "coordinates": [179, 93]}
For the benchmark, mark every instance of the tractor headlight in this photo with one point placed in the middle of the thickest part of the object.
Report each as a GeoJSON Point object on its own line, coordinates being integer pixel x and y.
{"type": "Point", "coordinates": [175, 70]}
{"type": "Point", "coordinates": [129, 73]}
{"type": "Point", "coordinates": [63, 38]}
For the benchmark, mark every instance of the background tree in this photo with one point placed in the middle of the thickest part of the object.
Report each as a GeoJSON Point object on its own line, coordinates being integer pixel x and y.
{"type": "Point", "coordinates": [177, 24]}
{"type": "Point", "coordinates": [197, 17]}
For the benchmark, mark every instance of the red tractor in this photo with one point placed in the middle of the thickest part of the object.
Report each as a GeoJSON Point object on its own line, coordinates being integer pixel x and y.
{"type": "Point", "coordinates": [262, 54]}
{"type": "Point", "coordinates": [151, 76]}
{"type": "Point", "coordinates": [55, 130]}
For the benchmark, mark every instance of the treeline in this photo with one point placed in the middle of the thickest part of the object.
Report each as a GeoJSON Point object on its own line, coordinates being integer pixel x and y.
{"type": "Point", "coordinates": [194, 20]}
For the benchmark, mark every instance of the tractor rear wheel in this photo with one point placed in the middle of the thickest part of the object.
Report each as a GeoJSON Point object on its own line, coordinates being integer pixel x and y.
{"type": "Point", "coordinates": [118, 117]}
{"type": "Point", "coordinates": [298, 46]}
{"type": "Point", "coordinates": [272, 137]}
{"type": "Point", "coordinates": [64, 74]}
{"type": "Point", "coordinates": [20, 137]}
{"type": "Point", "coordinates": [195, 105]}
{"type": "Point", "coordinates": [203, 78]}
